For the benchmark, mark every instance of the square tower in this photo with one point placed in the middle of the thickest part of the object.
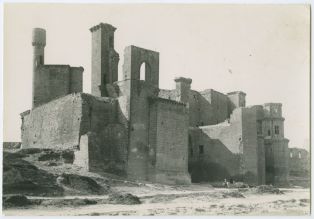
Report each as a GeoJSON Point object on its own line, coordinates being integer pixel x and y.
{"type": "Point", "coordinates": [104, 58]}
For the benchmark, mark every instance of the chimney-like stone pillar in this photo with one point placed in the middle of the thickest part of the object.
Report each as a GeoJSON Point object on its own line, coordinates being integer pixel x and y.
{"type": "Point", "coordinates": [183, 87]}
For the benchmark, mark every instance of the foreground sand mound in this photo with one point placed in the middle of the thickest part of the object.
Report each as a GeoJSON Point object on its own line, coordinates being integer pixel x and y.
{"type": "Point", "coordinates": [83, 185]}
{"type": "Point", "coordinates": [25, 173]}
{"type": "Point", "coordinates": [67, 202]}
{"type": "Point", "coordinates": [267, 189]}
{"type": "Point", "coordinates": [123, 199]}
{"type": "Point", "coordinates": [232, 194]}
{"type": "Point", "coordinates": [22, 177]}
{"type": "Point", "coordinates": [15, 201]}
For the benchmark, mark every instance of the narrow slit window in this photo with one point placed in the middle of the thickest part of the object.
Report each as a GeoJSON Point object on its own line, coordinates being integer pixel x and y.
{"type": "Point", "coordinates": [201, 149]}
{"type": "Point", "coordinates": [276, 129]}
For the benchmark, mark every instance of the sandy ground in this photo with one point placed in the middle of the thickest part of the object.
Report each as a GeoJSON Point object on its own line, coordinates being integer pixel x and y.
{"type": "Point", "coordinates": [191, 200]}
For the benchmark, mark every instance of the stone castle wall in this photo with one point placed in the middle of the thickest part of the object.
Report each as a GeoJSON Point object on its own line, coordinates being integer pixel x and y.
{"type": "Point", "coordinates": [299, 162]}
{"type": "Point", "coordinates": [54, 81]}
{"type": "Point", "coordinates": [53, 125]}
{"type": "Point", "coordinates": [229, 149]}
{"type": "Point", "coordinates": [171, 143]}
{"type": "Point", "coordinates": [134, 129]}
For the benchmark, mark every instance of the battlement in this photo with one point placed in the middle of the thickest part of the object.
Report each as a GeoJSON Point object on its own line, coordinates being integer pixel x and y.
{"type": "Point", "coordinates": [183, 80]}
{"type": "Point", "coordinates": [103, 26]}
{"type": "Point", "coordinates": [237, 92]}
{"type": "Point", "coordinates": [154, 99]}
{"type": "Point", "coordinates": [237, 99]}
{"type": "Point", "coordinates": [273, 110]}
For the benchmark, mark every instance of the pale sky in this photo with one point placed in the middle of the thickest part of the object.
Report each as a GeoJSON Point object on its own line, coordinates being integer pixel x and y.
{"type": "Point", "coordinates": [262, 50]}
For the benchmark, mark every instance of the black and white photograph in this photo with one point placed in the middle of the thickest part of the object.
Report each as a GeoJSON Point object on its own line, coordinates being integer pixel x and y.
{"type": "Point", "coordinates": [156, 109]}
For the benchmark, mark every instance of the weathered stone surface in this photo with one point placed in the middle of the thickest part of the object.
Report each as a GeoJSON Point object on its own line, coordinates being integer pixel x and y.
{"type": "Point", "coordinates": [52, 81]}
{"type": "Point", "coordinates": [132, 128]}
{"type": "Point", "coordinates": [299, 162]}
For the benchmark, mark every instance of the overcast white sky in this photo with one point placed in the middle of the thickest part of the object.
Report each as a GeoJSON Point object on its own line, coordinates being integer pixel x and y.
{"type": "Point", "coordinates": [262, 50]}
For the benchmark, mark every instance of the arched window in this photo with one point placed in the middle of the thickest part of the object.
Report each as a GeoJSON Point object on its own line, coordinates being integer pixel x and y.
{"type": "Point", "coordinates": [143, 71]}
{"type": "Point", "coordinates": [145, 74]}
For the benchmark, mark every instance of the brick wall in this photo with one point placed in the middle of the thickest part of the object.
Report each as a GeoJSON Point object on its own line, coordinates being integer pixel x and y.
{"type": "Point", "coordinates": [61, 123]}
{"type": "Point", "coordinates": [299, 162]}
{"type": "Point", "coordinates": [226, 150]}
{"type": "Point", "coordinates": [276, 161]}
{"type": "Point", "coordinates": [171, 143]}
{"type": "Point", "coordinates": [214, 107]}
{"type": "Point", "coordinates": [208, 107]}
{"type": "Point", "coordinates": [250, 145]}
{"type": "Point", "coordinates": [54, 81]}
{"type": "Point", "coordinates": [76, 82]}
{"type": "Point", "coordinates": [139, 128]}
{"type": "Point", "coordinates": [53, 125]}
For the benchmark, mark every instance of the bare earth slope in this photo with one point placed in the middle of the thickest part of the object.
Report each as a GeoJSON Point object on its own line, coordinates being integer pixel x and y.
{"type": "Point", "coordinates": [44, 182]}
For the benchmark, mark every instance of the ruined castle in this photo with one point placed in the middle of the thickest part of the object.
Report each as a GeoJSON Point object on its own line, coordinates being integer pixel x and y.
{"type": "Point", "coordinates": [134, 129]}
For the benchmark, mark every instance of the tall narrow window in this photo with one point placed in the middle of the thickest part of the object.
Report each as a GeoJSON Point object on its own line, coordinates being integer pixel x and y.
{"type": "Point", "coordinates": [291, 154]}
{"type": "Point", "coordinates": [201, 149]}
{"type": "Point", "coordinates": [142, 71]}
{"type": "Point", "coordinates": [300, 155]}
{"type": "Point", "coordinates": [111, 42]}
{"type": "Point", "coordinates": [268, 132]}
{"type": "Point", "coordinates": [41, 60]}
{"type": "Point", "coordinates": [259, 127]}
{"type": "Point", "coordinates": [276, 129]}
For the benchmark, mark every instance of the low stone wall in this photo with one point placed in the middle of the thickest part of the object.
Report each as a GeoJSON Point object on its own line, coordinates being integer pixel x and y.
{"type": "Point", "coordinates": [53, 125]}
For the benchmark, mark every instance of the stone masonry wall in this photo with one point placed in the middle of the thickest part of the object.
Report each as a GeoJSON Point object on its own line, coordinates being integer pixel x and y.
{"type": "Point", "coordinates": [76, 79]}
{"type": "Point", "coordinates": [171, 143]}
{"type": "Point", "coordinates": [61, 123]}
{"type": "Point", "coordinates": [53, 125]}
{"type": "Point", "coordinates": [208, 107]}
{"type": "Point", "coordinates": [250, 145]}
{"type": "Point", "coordinates": [54, 81]}
{"type": "Point", "coordinates": [106, 136]}
{"type": "Point", "coordinates": [299, 162]}
{"type": "Point", "coordinates": [228, 150]}
{"type": "Point", "coordinates": [214, 107]}
{"type": "Point", "coordinates": [276, 155]}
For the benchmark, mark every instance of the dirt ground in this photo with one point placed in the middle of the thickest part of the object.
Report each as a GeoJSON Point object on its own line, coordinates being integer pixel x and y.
{"type": "Point", "coordinates": [45, 183]}
{"type": "Point", "coordinates": [192, 200]}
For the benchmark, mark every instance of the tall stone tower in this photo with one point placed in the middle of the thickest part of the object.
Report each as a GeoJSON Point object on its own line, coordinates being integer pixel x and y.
{"type": "Point", "coordinates": [183, 87]}
{"type": "Point", "coordinates": [276, 145]}
{"type": "Point", "coordinates": [237, 99]}
{"type": "Point", "coordinates": [39, 43]}
{"type": "Point", "coordinates": [104, 58]}
{"type": "Point", "coordinates": [139, 93]}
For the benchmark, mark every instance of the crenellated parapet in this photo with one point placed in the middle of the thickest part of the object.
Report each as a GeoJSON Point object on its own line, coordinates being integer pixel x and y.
{"type": "Point", "coordinates": [102, 26]}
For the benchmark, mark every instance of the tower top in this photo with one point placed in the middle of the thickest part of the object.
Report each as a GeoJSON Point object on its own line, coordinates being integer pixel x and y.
{"type": "Point", "coordinates": [104, 26]}
{"type": "Point", "coordinates": [237, 92]}
{"type": "Point", "coordinates": [39, 37]}
{"type": "Point", "coordinates": [184, 80]}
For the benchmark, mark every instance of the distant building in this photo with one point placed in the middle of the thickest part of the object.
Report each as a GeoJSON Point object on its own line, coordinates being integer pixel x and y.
{"type": "Point", "coordinates": [134, 129]}
{"type": "Point", "coordinates": [299, 162]}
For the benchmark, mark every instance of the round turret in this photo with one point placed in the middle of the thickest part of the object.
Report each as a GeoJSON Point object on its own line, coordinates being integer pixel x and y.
{"type": "Point", "coordinates": [39, 37]}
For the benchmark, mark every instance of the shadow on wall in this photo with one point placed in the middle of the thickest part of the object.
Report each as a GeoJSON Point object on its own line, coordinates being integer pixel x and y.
{"type": "Point", "coordinates": [216, 162]}
{"type": "Point", "coordinates": [206, 171]}
{"type": "Point", "coordinates": [103, 140]}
